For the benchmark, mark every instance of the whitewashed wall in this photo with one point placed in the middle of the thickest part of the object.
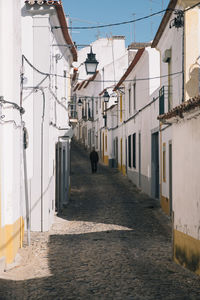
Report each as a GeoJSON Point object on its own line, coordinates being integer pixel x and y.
{"type": "Point", "coordinates": [10, 146]}
{"type": "Point", "coordinates": [170, 39]}
{"type": "Point", "coordinates": [186, 190]}
{"type": "Point", "coordinates": [145, 120]}
{"type": "Point", "coordinates": [45, 54]}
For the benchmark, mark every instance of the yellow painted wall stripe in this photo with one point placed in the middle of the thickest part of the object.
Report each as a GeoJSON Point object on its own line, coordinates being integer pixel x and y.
{"type": "Point", "coordinates": [165, 204]}
{"type": "Point", "coordinates": [11, 237]}
{"type": "Point", "coordinates": [187, 251]}
{"type": "Point", "coordinates": [120, 107]}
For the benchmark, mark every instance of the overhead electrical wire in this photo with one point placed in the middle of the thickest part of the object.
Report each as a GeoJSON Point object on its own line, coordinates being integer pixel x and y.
{"type": "Point", "coordinates": [127, 22]}
{"type": "Point", "coordinates": [191, 7]}
{"type": "Point", "coordinates": [13, 104]}
{"type": "Point", "coordinates": [115, 24]}
{"type": "Point", "coordinates": [95, 80]}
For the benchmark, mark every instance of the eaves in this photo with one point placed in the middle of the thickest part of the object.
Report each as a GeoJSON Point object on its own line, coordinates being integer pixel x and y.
{"type": "Point", "coordinates": [164, 22]}
{"type": "Point", "coordinates": [62, 20]}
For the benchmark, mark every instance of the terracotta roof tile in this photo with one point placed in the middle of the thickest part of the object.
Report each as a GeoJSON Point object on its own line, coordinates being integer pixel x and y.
{"type": "Point", "coordinates": [81, 84]}
{"type": "Point", "coordinates": [180, 109]}
{"type": "Point", "coordinates": [77, 85]}
{"type": "Point", "coordinates": [40, 2]}
{"type": "Point", "coordinates": [102, 92]}
{"type": "Point", "coordinates": [91, 79]}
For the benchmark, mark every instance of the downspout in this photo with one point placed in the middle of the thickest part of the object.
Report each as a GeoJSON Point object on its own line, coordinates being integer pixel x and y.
{"type": "Point", "coordinates": [123, 126]}
{"type": "Point", "coordinates": [26, 187]}
{"type": "Point", "coordinates": [42, 159]}
{"type": "Point", "coordinates": [25, 167]}
{"type": "Point", "coordinates": [183, 61]}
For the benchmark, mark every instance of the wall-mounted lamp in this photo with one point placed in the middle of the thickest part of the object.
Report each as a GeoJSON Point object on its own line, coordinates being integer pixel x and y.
{"type": "Point", "coordinates": [91, 63]}
{"type": "Point", "coordinates": [80, 102]}
{"type": "Point", "coordinates": [106, 96]}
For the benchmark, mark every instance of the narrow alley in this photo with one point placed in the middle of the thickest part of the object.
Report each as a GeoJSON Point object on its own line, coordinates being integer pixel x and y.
{"type": "Point", "coordinates": [111, 242]}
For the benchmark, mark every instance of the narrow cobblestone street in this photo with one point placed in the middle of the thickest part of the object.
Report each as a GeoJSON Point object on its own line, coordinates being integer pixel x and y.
{"type": "Point", "coordinates": [111, 242]}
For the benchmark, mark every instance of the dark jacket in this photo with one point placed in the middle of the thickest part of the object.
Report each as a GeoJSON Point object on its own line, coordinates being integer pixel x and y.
{"type": "Point", "coordinates": [94, 156]}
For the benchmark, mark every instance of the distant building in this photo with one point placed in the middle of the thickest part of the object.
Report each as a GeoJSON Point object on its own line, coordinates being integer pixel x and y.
{"type": "Point", "coordinates": [136, 143]}
{"type": "Point", "coordinates": [113, 60]}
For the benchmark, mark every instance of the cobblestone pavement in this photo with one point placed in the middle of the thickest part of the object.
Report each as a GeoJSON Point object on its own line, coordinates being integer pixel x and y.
{"type": "Point", "coordinates": [111, 242]}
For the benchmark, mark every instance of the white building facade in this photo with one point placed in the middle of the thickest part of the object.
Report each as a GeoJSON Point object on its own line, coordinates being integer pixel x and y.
{"type": "Point", "coordinates": [136, 140]}
{"type": "Point", "coordinates": [113, 60]}
{"type": "Point", "coordinates": [11, 144]}
{"type": "Point", "coordinates": [168, 41]}
{"type": "Point", "coordinates": [36, 57]}
{"type": "Point", "coordinates": [48, 53]}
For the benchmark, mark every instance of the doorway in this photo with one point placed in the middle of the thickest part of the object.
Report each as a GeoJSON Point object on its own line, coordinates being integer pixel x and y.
{"type": "Point", "coordinates": [139, 152]}
{"type": "Point", "coordinates": [155, 165]}
{"type": "Point", "coordinates": [121, 153]}
{"type": "Point", "coordinates": [170, 176]}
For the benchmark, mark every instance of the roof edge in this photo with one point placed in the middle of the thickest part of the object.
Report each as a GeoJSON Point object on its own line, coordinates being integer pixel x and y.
{"type": "Point", "coordinates": [64, 28]}
{"type": "Point", "coordinates": [164, 22]}
{"type": "Point", "coordinates": [130, 68]}
{"type": "Point", "coordinates": [184, 107]}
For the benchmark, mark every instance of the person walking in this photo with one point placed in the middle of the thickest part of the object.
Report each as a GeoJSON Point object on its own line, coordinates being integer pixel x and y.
{"type": "Point", "coordinates": [94, 158]}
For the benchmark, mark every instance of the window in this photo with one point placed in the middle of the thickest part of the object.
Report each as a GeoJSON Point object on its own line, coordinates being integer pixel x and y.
{"type": "Point", "coordinates": [129, 151]}
{"type": "Point", "coordinates": [169, 84]}
{"type": "Point", "coordinates": [96, 140]}
{"type": "Point", "coordinates": [84, 109]}
{"type": "Point", "coordinates": [134, 150]}
{"type": "Point", "coordinates": [92, 112]}
{"type": "Point", "coordinates": [105, 120]}
{"type": "Point", "coordinates": [134, 96]}
{"type": "Point", "coordinates": [164, 162]}
{"type": "Point", "coordinates": [96, 106]}
{"type": "Point", "coordinates": [92, 138]}
{"type": "Point", "coordinates": [161, 101]}
{"type": "Point", "coordinates": [120, 107]}
{"type": "Point", "coordinates": [89, 112]}
{"type": "Point", "coordinates": [89, 138]}
{"type": "Point", "coordinates": [129, 100]}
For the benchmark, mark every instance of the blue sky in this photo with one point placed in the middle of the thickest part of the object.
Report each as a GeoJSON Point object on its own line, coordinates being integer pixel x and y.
{"type": "Point", "coordinates": [99, 12]}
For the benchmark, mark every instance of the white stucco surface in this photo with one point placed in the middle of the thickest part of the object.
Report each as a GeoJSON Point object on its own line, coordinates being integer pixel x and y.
{"type": "Point", "coordinates": [186, 171]}
{"type": "Point", "coordinates": [10, 159]}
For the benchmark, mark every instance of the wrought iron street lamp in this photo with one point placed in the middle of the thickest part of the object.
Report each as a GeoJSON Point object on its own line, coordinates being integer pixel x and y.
{"type": "Point", "coordinates": [91, 63]}
{"type": "Point", "coordinates": [106, 96]}
{"type": "Point", "coordinates": [80, 102]}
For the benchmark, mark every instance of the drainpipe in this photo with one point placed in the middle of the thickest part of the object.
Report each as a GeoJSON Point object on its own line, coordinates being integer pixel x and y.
{"type": "Point", "coordinates": [42, 158]}
{"type": "Point", "coordinates": [24, 145]}
{"type": "Point", "coordinates": [183, 62]}
{"type": "Point", "coordinates": [42, 146]}
{"type": "Point", "coordinates": [26, 186]}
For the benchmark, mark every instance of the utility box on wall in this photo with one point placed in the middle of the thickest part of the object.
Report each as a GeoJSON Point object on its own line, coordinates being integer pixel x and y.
{"type": "Point", "coordinates": [62, 172]}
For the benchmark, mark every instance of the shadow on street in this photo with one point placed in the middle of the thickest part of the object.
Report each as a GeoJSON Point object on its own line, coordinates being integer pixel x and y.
{"type": "Point", "coordinates": [115, 244]}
